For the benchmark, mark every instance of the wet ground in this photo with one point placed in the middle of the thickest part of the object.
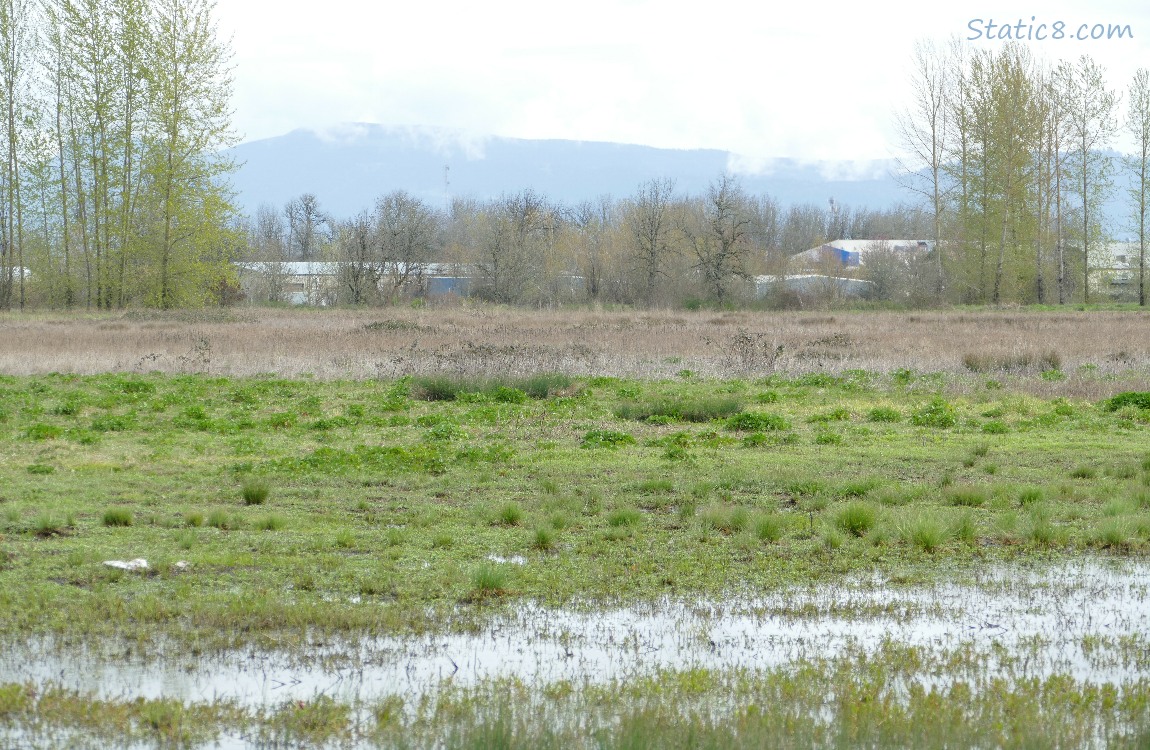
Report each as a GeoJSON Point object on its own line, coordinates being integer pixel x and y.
{"type": "Point", "coordinates": [1088, 619]}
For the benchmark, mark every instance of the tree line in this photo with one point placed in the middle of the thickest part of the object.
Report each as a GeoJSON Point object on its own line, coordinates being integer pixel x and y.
{"type": "Point", "coordinates": [654, 247]}
{"type": "Point", "coordinates": [1011, 156]}
{"type": "Point", "coordinates": [114, 115]}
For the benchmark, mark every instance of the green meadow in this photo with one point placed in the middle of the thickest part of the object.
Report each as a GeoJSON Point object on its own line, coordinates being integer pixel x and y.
{"type": "Point", "coordinates": [275, 514]}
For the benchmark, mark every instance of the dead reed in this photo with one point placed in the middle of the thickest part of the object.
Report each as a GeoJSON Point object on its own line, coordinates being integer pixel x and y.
{"type": "Point", "coordinates": [475, 340]}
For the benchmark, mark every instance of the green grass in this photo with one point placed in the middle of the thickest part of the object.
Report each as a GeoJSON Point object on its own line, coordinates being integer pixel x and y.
{"type": "Point", "coordinates": [769, 527]}
{"type": "Point", "coordinates": [621, 517]}
{"type": "Point", "coordinates": [117, 517]}
{"type": "Point", "coordinates": [725, 520]}
{"type": "Point", "coordinates": [488, 580]}
{"type": "Point", "coordinates": [968, 496]}
{"type": "Point", "coordinates": [699, 408]}
{"type": "Point", "coordinates": [255, 491]}
{"type": "Point", "coordinates": [509, 514]}
{"type": "Point", "coordinates": [418, 491]}
{"type": "Point", "coordinates": [856, 518]}
{"type": "Point", "coordinates": [925, 533]}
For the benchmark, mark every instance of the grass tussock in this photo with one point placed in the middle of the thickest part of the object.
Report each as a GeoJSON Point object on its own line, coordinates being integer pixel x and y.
{"type": "Point", "coordinates": [1012, 362]}
{"type": "Point", "coordinates": [495, 389]}
{"type": "Point", "coordinates": [255, 491]}
{"type": "Point", "coordinates": [856, 518]}
{"type": "Point", "coordinates": [117, 517]}
{"type": "Point", "coordinates": [698, 409]}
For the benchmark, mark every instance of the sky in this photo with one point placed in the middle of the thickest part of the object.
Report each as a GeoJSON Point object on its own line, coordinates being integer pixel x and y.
{"type": "Point", "coordinates": [818, 81]}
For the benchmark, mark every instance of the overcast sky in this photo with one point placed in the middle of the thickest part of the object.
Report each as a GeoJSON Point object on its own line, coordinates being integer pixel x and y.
{"type": "Point", "coordinates": [820, 81]}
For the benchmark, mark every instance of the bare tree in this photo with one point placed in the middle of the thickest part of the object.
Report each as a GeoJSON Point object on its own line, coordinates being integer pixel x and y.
{"type": "Point", "coordinates": [923, 129]}
{"type": "Point", "coordinates": [267, 244]}
{"type": "Point", "coordinates": [648, 220]}
{"type": "Point", "coordinates": [592, 222]}
{"type": "Point", "coordinates": [721, 241]}
{"type": "Point", "coordinates": [359, 259]}
{"type": "Point", "coordinates": [407, 231]}
{"type": "Point", "coordinates": [520, 231]}
{"type": "Point", "coordinates": [309, 228]}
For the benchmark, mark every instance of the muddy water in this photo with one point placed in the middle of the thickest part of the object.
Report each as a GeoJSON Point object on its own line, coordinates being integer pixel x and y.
{"type": "Point", "coordinates": [1089, 619]}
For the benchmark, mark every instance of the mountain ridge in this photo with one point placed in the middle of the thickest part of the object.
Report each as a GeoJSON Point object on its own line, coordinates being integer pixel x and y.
{"type": "Point", "coordinates": [348, 166]}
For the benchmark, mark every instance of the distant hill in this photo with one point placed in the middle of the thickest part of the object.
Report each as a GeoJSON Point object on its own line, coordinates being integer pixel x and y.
{"type": "Point", "coordinates": [349, 166]}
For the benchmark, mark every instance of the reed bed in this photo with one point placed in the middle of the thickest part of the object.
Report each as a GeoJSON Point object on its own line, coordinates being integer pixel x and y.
{"type": "Point", "coordinates": [485, 341]}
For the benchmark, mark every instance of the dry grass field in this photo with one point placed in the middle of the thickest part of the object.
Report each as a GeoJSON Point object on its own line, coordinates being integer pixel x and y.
{"type": "Point", "coordinates": [1090, 349]}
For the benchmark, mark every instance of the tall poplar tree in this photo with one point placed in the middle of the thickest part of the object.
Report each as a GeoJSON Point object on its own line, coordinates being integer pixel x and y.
{"type": "Point", "coordinates": [190, 119]}
{"type": "Point", "coordinates": [17, 42]}
{"type": "Point", "coordinates": [1091, 119]}
{"type": "Point", "coordinates": [1138, 124]}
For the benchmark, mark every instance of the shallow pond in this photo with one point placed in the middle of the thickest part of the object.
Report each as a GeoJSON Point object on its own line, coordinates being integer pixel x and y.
{"type": "Point", "coordinates": [1089, 619]}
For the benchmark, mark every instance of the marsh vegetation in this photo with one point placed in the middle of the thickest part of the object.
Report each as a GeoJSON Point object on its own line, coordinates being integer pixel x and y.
{"type": "Point", "coordinates": [851, 550]}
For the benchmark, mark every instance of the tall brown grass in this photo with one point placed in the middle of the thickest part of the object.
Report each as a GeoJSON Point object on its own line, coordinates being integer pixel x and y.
{"type": "Point", "coordinates": [484, 341]}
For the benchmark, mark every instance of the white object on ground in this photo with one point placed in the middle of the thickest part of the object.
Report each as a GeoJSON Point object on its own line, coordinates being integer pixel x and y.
{"type": "Point", "coordinates": [138, 564]}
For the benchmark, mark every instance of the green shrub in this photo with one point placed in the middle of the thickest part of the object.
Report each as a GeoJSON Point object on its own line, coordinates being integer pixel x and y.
{"type": "Point", "coordinates": [963, 527]}
{"type": "Point", "coordinates": [42, 431]}
{"type": "Point", "coordinates": [41, 469]}
{"type": "Point", "coordinates": [1112, 533]}
{"type": "Point", "coordinates": [606, 439]}
{"type": "Point", "coordinates": [1030, 496]}
{"type": "Point", "coordinates": [838, 414]}
{"type": "Point", "coordinates": [884, 414]}
{"type": "Point", "coordinates": [725, 520]}
{"type": "Point", "coordinates": [1083, 472]}
{"type": "Point", "coordinates": [545, 385]}
{"type": "Point", "coordinates": [995, 427]}
{"type": "Point", "coordinates": [858, 487]}
{"type": "Point", "coordinates": [825, 437]}
{"type": "Point", "coordinates": [508, 395]}
{"type": "Point", "coordinates": [937, 413]}
{"type": "Point", "coordinates": [757, 422]}
{"type": "Point", "coordinates": [833, 538]}
{"type": "Point", "coordinates": [1137, 399]}
{"type": "Point", "coordinates": [47, 525]}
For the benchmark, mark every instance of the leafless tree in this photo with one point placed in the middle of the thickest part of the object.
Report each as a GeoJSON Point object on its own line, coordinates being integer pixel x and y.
{"type": "Point", "coordinates": [309, 227]}
{"type": "Point", "coordinates": [720, 237]}
{"type": "Point", "coordinates": [648, 221]}
{"type": "Point", "coordinates": [407, 230]}
{"type": "Point", "coordinates": [923, 129]}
